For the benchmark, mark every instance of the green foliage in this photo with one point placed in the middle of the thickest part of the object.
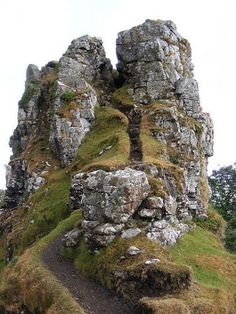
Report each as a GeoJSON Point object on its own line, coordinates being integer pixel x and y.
{"type": "Point", "coordinates": [174, 159]}
{"type": "Point", "coordinates": [223, 186]}
{"type": "Point", "coordinates": [68, 96]}
{"type": "Point", "coordinates": [215, 223]}
{"type": "Point", "coordinates": [230, 234]}
{"type": "Point", "coordinates": [102, 266]}
{"type": "Point", "coordinates": [28, 94]}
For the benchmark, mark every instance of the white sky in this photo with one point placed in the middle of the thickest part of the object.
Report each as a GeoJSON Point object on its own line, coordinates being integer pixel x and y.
{"type": "Point", "coordinates": [37, 31]}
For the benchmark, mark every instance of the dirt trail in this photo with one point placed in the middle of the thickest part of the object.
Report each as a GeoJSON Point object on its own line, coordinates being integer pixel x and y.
{"type": "Point", "coordinates": [92, 297]}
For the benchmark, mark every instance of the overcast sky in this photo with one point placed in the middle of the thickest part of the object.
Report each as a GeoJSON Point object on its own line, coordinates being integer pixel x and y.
{"type": "Point", "coordinates": [37, 31]}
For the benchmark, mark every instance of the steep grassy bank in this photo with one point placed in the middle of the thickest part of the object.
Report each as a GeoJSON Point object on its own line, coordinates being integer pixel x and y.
{"type": "Point", "coordinates": [28, 283]}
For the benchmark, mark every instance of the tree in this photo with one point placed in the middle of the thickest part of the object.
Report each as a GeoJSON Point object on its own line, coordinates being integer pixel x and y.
{"type": "Point", "coordinates": [223, 186]}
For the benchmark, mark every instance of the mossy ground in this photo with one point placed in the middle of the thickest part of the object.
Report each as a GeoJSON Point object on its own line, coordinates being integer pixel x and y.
{"type": "Point", "coordinates": [28, 282]}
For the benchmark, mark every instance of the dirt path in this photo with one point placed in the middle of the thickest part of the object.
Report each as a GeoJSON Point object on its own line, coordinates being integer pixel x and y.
{"type": "Point", "coordinates": [92, 297]}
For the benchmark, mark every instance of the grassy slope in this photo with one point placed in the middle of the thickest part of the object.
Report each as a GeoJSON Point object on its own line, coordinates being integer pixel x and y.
{"type": "Point", "coordinates": [214, 273]}
{"type": "Point", "coordinates": [28, 278]}
{"type": "Point", "coordinates": [109, 129]}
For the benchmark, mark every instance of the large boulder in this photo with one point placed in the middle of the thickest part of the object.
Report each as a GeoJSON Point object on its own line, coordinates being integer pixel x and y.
{"type": "Point", "coordinates": [155, 60]}
{"type": "Point", "coordinates": [108, 200]}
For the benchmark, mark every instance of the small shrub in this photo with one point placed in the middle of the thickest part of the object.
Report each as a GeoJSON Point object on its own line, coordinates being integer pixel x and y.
{"type": "Point", "coordinates": [28, 94]}
{"type": "Point", "coordinates": [68, 96]}
{"type": "Point", "coordinates": [215, 223]}
{"type": "Point", "coordinates": [173, 159]}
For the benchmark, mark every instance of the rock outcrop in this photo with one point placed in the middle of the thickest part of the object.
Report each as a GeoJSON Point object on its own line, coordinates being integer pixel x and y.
{"type": "Point", "coordinates": [163, 108]}
{"type": "Point", "coordinates": [108, 199]}
{"type": "Point", "coordinates": [164, 183]}
{"type": "Point", "coordinates": [83, 65]}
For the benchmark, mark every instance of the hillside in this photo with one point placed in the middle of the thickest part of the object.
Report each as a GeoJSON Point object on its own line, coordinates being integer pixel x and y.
{"type": "Point", "coordinates": [107, 185]}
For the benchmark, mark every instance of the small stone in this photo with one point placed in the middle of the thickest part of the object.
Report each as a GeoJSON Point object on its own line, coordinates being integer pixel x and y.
{"type": "Point", "coordinates": [108, 147]}
{"type": "Point", "coordinates": [202, 217]}
{"type": "Point", "coordinates": [152, 261]}
{"type": "Point", "coordinates": [71, 238]}
{"type": "Point", "coordinates": [154, 202]}
{"type": "Point", "coordinates": [130, 233]}
{"type": "Point", "coordinates": [133, 251]}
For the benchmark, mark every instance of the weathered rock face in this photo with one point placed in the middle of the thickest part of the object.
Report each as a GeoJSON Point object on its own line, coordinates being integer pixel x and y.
{"type": "Point", "coordinates": [83, 65]}
{"type": "Point", "coordinates": [108, 200]}
{"type": "Point", "coordinates": [156, 63]}
{"type": "Point", "coordinates": [56, 108]}
{"type": "Point", "coordinates": [27, 112]}
{"type": "Point", "coordinates": [15, 183]}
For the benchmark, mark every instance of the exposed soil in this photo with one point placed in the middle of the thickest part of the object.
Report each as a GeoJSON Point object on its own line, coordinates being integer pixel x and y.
{"type": "Point", "coordinates": [91, 296]}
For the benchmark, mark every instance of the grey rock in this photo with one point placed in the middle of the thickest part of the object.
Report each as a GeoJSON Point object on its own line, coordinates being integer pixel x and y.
{"type": "Point", "coordinates": [147, 213]}
{"type": "Point", "coordinates": [167, 232]}
{"type": "Point", "coordinates": [32, 72]}
{"type": "Point", "coordinates": [133, 251]}
{"type": "Point", "coordinates": [152, 261]}
{"type": "Point", "coordinates": [154, 202]}
{"type": "Point", "coordinates": [34, 182]}
{"type": "Point", "coordinates": [71, 238]}
{"type": "Point", "coordinates": [15, 182]}
{"type": "Point", "coordinates": [110, 198]}
{"type": "Point", "coordinates": [130, 233]}
{"type": "Point", "coordinates": [152, 58]}
{"type": "Point", "coordinates": [83, 65]}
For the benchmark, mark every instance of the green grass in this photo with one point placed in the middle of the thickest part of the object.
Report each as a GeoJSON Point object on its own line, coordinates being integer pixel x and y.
{"type": "Point", "coordinates": [102, 266]}
{"type": "Point", "coordinates": [28, 94]}
{"type": "Point", "coordinates": [212, 265]}
{"type": "Point", "coordinates": [109, 129]}
{"type": "Point", "coordinates": [29, 282]}
{"type": "Point", "coordinates": [68, 96]}
{"type": "Point", "coordinates": [121, 96]}
{"type": "Point", "coordinates": [47, 209]}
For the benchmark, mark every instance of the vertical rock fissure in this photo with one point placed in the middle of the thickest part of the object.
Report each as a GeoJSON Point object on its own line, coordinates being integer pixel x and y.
{"type": "Point", "coordinates": [134, 117]}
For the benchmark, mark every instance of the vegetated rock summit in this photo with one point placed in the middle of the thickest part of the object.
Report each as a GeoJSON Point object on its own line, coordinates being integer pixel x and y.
{"type": "Point", "coordinates": [134, 141]}
{"type": "Point", "coordinates": [165, 182]}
